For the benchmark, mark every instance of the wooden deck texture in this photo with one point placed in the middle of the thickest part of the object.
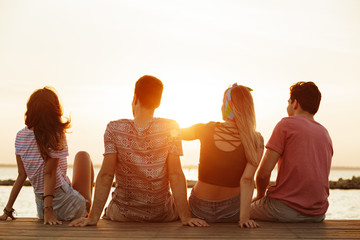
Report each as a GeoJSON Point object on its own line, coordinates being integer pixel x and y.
{"type": "Point", "coordinates": [31, 228]}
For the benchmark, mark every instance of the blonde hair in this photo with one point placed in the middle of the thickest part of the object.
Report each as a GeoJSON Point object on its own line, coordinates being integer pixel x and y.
{"type": "Point", "coordinates": [244, 117]}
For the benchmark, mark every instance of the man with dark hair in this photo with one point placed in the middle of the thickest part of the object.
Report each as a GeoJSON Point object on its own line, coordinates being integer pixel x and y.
{"type": "Point", "coordinates": [302, 149]}
{"type": "Point", "coordinates": [148, 90]}
{"type": "Point", "coordinates": [143, 154]}
{"type": "Point", "coordinates": [307, 94]}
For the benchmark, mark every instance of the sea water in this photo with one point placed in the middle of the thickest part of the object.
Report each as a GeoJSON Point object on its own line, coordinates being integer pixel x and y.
{"type": "Point", "coordinates": [344, 204]}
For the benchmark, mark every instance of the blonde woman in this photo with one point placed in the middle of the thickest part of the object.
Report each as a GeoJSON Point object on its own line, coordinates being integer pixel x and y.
{"type": "Point", "coordinates": [229, 155]}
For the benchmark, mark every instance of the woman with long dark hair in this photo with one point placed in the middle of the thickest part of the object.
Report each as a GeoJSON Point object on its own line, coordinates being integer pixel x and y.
{"type": "Point", "coordinates": [229, 155]}
{"type": "Point", "coordinates": [41, 155]}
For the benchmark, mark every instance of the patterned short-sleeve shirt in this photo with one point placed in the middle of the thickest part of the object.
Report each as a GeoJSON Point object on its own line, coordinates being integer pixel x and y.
{"type": "Point", "coordinates": [142, 186]}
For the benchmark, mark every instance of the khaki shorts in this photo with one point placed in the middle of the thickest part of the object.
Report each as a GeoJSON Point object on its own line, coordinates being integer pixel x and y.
{"type": "Point", "coordinates": [68, 204]}
{"type": "Point", "coordinates": [113, 212]}
{"type": "Point", "coordinates": [271, 209]}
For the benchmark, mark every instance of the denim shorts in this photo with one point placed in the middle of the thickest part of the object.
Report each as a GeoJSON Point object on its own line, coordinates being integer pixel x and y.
{"type": "Point", "coordinates": [271, 209]}
{"type": "Point", "coordinates": [227, 210]}
{"type": "Point", "coordinates": [68, 204]}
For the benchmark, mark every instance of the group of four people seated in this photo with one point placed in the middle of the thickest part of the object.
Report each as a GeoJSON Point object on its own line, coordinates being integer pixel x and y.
{"type": "Point", "coordinates": [144, 156]}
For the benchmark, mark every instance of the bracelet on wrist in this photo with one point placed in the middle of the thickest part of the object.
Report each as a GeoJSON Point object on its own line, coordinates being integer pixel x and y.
{"type": "Point", "coordinates": [49, 195]}
{"type": "Point", "coordinates": [48, 207]}
{"type": "Point", "coordinates": [9, 213]}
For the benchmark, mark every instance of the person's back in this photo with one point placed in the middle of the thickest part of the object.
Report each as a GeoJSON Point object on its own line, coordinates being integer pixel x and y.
{"type": "Point", "coordinates": [144, 155]}
{"type": "Point", "coordinates": [142, 187]}
{"type": "Point", "coordinates": [41, 153]}
{"type": "Point", "coordinates": [302, 149]}
{"type": "Point", "coordinates": [229, 154]}
{"type": "Point", "coordinates": [222, 156]}
{"type": "Point", "coordinates": [305, 160]}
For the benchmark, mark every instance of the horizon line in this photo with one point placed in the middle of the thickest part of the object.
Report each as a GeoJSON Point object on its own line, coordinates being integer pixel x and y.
{"type": "Point", "coordinates": [195, 166]}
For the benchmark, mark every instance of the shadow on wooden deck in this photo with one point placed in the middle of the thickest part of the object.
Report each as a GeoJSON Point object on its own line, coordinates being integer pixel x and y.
{"type": "Point", "coordinates": [31, 228]}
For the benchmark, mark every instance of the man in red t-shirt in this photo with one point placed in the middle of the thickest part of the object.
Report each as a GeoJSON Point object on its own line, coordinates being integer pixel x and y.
{"type": "Point", "coordinates": [302, 149]}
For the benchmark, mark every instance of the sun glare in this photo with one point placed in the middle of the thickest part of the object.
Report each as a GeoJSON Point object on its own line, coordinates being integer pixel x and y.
{"type": "Point", "coordinates": [189, 109]}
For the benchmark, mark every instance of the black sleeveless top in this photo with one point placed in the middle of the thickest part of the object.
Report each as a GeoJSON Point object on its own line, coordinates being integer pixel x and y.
{"type": "Point", "coordinates": [216, 166]}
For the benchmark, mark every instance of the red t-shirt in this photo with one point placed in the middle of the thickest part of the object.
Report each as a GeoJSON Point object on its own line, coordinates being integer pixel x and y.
{"type": "Point", "coordinates": [304, 165]}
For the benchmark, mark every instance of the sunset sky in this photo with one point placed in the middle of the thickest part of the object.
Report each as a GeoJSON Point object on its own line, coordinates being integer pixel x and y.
{"type": "Point", "coordinates": [92, 52]}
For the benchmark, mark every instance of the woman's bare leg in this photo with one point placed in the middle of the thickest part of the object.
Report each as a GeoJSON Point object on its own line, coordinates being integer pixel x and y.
{"type": "Point", "coordinates": [83, 176]}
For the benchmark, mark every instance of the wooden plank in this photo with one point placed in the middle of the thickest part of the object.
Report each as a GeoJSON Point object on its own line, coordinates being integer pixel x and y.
{"type": "Point", "coordinates": [30, 228]}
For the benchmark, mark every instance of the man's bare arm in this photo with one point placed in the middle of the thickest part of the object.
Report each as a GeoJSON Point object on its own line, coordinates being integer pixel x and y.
{"type": "Point", "coordinates": [263, 175]}
{"type": "Point", "coordinates": [178, 187]}
{"type": "Point", "coordinates": [103, 185]}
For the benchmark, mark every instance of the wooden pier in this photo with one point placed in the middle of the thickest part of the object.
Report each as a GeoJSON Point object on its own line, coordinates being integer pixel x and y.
{"type": "Point", "coordinates": [31, 228]}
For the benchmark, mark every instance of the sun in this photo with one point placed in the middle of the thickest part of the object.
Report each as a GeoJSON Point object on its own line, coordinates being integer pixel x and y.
{"type": "Point", "coordinates": [188, 109]}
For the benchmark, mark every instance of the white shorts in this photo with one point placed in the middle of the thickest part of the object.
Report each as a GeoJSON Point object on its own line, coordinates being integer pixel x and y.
{"type": "Point", "coordinates": [68, 204]}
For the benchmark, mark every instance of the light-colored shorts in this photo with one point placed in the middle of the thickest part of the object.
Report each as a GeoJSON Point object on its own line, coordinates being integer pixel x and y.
{"type": "Point", "coordinates": [68, 204]}
{"type": "Point", "coordinates": [271, 209]}
{"type": "Point", "coordinates": [113, 212]}
{"type": "Point", "coordinates": [227, 210]}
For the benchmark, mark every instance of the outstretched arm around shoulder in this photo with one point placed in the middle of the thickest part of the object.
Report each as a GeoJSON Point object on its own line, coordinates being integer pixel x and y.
{"type": "Point", "coordinates": [192, 133]}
